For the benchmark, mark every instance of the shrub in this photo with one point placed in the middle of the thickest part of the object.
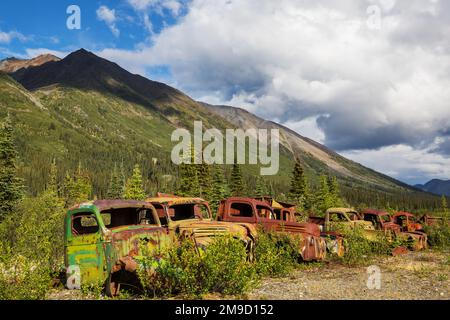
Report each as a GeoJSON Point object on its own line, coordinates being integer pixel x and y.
{"type": "Point", "coordinates": [275, 254]}
{"type": "Point", "coordinates": [21, 278]}
{"type": "Point", "coordinates": [438, 235]}
{"type": "Point", "coordinates": [222, 267]}
{"type": "Point", "coordinates": [359, 249]}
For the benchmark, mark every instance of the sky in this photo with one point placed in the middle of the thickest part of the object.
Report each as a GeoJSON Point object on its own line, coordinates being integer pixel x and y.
{"type": "Point", "coordinates": [370, 79]}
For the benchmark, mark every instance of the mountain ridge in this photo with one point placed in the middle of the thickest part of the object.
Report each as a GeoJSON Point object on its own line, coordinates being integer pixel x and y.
{"type": "Point", "coordinates": [436, 186]}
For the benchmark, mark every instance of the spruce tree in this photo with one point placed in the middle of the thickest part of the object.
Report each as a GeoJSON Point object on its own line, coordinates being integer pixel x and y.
{"type": "Point", "coordinates": [236, 183]}
{"type": "Point", "coordinates": [444, 205]}
{"type": "Point", "coordinates": [323, 197]}
{"type": "Point", "coordinates": [219, 189]}
{"type": "Point", "coordinates": [77, 187]}
{"type": "Point", "coordinates": [52, 185]}
{"type": "Point", "coordinates": [205, 180]}
{"type": "Point", "coordinates": [260, 187]}
{"type": "Point", "coordinates": [189, 182]}
{"type": "Point", "coordinates": [334, 192]}
{"type": "Point", "coordinates": [116, 185]}
{"type": "Point", "coordinates": [299, 191]}
{"type": "Point", "coordinates": [11, 187]}
{"type": "Point", "coordinates": [134, 189]}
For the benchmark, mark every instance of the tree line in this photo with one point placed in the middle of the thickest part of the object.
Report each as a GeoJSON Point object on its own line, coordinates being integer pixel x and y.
{"type": "Point", "coordinates": [211, 182]}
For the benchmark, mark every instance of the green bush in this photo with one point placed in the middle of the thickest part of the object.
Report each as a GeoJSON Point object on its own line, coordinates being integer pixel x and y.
{"type": "Point", "coordinates": [222, 267]}
{"type": "Point", "coordinates": [275, 254]}
{"type": "Point", "coordinates": [359, 250]}
{"type": "Point", "coordinates": [438, 236]}
{"type": "Point", "coordinates": [21, 278]}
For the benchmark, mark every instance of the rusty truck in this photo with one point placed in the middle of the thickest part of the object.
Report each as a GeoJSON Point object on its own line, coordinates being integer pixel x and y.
{"type": "Point", "coordinates": [383, 221]}
{"type": "Point", "coordinates": [256, 215]}
{"type": "Point", "coordinates": [407, 222]}
{"type": "Point", "coordinates": [191, 217]}
{"type": "Point", "coordinates": [104, 238]}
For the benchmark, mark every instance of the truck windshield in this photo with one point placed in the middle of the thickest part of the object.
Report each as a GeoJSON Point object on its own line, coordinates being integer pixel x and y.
{"type": "Point", "coordinates": [113, 218]}
{"type": "Point", "coordinates": [189, 211]}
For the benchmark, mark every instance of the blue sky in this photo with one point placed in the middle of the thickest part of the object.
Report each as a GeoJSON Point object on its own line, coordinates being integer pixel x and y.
{"type": "Point", "coordinates": [43, 25]}
{"type": "Point", "coordinates": [370, 79]}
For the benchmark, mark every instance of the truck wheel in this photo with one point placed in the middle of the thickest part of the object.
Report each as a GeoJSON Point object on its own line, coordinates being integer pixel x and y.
{"type": "Point", "coordinates": [112, 287]}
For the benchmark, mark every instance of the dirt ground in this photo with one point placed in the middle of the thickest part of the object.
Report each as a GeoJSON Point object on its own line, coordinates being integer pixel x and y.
{"type": "Point", "coordinates": [414, 276]}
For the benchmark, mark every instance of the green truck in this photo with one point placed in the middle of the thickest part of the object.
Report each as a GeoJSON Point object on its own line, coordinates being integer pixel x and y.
{"type": "Point", "coordinates": [104, 239]}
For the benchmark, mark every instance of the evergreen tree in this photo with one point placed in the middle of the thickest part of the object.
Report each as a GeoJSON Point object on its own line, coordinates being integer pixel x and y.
{"type": "Point", "coordinates": [260, 188]}
{"type": "Point", "coordinates": [77, 187]}
{"type": "Point", "coordinates": [323, 198]}
{"type": "Point", "coordinates": [219, 189]}
{"type": "Point", "coordinates": [444, 205]}
{"type": "Point", "coordinates": [205, 180]}
{"type": "Point", "coordinates": [117, 184]}
{"type": "Point", "coordinates": [11, 187]}
{"type": "Point", "coordinates": [52, 185]}
{"type": "Point", "coordinates": [189, 182]}
{"type": "Point", "coordinates": [299, 191]}
{"type": "Point", "coordinates": [236, 183]}
{"type": "Point", "coordinates": [134, 189]}
{"type": "Point", "coordinates": [334, 191]}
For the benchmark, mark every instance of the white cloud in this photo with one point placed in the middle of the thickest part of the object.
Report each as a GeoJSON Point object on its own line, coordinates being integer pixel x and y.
{"type": "Point", "coordinates": [32, 53]}
{"type": "Point", "coordinates": [109, 17]}
{"type": "Point", "coordinates": [7, 37]}
{"type": "Point", "coordinates": [291, 60]}
{"type": "Point", "coordinates": [403, 162]}
{"type": "Point", "coordinates": [174, 6]}
{"type": "Point", "coordinates": [308, 128]}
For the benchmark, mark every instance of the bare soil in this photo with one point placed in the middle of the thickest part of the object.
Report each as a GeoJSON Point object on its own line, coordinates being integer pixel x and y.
{"type": "Point", "coordinates": [414, 276]}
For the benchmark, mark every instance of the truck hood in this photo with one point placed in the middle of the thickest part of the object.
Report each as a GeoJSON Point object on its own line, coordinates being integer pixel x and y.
{"type": "Point", "coordinates": [204, 231]}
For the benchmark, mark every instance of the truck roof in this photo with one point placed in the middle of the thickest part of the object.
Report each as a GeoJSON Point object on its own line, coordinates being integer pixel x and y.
{"type": "Point", "coordinates": [113, 204]}
{"type": "Point", "coordinates": [171, 200]}
{"type": "Point", "coordinates": [376, 212]}
{"type": "Point", "coordinates": [403, 213]}
{"type": "Point", "coordinates": [252, 200]}
{"type": "Point", "coordinates": [341, 210]}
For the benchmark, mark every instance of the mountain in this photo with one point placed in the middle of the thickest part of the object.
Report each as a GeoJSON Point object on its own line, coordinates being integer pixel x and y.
{"type": "Point", "coordinates": [10, 65]}
{"type": "Point", "coordinates": [86, 109]}
{"type": "Point", "coordinates": [436, 186]}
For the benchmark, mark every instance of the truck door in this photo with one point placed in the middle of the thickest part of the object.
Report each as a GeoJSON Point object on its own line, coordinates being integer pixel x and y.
{"type": "Point", "coordinates": [84, 247]}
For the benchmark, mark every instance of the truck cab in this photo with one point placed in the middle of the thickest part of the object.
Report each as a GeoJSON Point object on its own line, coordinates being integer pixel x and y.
{"type": "Point", "coordinates": [257, 213]}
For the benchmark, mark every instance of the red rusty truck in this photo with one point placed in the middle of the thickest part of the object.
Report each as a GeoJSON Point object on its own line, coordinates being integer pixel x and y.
{"type": "Point", "coordinates": [257, 213]}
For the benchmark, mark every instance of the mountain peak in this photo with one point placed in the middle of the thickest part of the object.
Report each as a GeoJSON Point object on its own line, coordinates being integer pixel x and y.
{"type": "Point", "coordinates": [13, 64]}
{"type": "Point", "coordinates": [85, 70]}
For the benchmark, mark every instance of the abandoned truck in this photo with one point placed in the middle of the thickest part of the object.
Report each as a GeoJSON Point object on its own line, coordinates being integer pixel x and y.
{"type": "Point", "coordinates": [191, 217]}
{"type": "Point", "coordinates": [383, 221]}
{"type": "Point", "coordinates": [103, 238]}
{"type": "Point", "coordinates": [430, 220]}
{"type": "Point", "coordinates": [407, 222]}
{"type": "Point", "coordinates": [287, 212]}
{"type": "Point", "coordinates": [252, 213]}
